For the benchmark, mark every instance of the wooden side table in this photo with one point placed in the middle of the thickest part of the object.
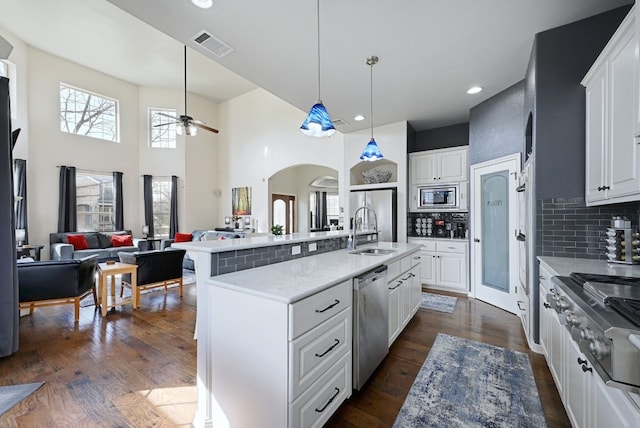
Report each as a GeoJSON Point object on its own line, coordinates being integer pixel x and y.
{"type": "Point", "coordinates": [111, 270]}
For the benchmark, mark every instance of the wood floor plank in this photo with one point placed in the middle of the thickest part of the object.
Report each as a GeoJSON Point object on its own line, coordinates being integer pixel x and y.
{"type": "Point", "coordinates": [131, 367]}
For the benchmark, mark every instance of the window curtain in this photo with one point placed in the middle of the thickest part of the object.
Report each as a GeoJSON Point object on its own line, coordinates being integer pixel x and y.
{"type": "Point", "coordinates": [20, 191]}
{"type": "Point", "coordinates": [9, 313]}
{"type": "Point", "coordinates": [67, 215]}
{"type": "Point", "coordinates": [173, 215]}
{"type": "Point", "coordinates": [119, 209]}
{"type": "Point", "coordinates": [147, 195]}
{"type": "Point", "coordinates": [324, 219]}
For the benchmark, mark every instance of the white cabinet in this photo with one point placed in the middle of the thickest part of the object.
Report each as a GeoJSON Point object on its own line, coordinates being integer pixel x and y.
{"type": "Point", "coordinates": [612, 98]}
{"type": "Point", "coordinates": [438, 166]}
{"type": "Point", "coordinates": [289, 363]}
{"type": "Point", "coordinates": [444, 263]}
{"type": "Point", "coordinates": [589, 403]}
{"type": "Point", "coordinates": [405, 293]}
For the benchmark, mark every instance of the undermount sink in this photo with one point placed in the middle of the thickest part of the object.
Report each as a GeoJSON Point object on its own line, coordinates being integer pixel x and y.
{"type": "Point", "coordinates": [373, 251]}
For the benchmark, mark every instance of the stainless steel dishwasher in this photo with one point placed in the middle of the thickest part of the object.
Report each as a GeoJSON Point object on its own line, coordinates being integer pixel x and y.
{"type": "Point", "coordinates": [370, 323]}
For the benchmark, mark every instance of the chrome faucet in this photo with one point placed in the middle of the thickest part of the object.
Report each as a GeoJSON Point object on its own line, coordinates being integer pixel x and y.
{"type": "Point", "coordinates": [355, 224]}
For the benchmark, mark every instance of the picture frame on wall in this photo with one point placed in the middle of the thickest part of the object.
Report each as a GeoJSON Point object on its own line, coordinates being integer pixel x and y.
{"type": "Point", "coordinates": [241, 201]}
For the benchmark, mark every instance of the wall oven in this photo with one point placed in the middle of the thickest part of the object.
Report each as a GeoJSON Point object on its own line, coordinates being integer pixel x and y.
{"type": "Point", "coordinates": [441, 197]}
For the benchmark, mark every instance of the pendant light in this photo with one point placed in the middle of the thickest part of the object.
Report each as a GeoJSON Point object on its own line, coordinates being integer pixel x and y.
{"type": "Point", "coordinates": [318, 122]}
{"type": "Point", "coordinates": [371, 152]}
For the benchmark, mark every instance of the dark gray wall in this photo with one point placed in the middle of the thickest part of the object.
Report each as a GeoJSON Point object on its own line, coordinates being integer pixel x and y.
{"type": "Point", "coordinates": [561, 57]}
{"type": "Point", "coordinates": [441, 138]}
{"type": "Point", "coordinates": [496, 126]}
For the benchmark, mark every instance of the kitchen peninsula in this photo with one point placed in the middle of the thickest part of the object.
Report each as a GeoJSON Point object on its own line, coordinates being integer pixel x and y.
{"type": "Point", "coordinates": [276, 339]}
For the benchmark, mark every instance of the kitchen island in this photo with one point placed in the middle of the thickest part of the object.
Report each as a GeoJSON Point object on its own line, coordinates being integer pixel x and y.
{"type": "Point", "coordinates": [257, 329]}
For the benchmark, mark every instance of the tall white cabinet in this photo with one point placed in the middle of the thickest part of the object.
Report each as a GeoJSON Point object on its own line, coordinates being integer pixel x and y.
{"type": "Point", "coordinates": [612, 119]}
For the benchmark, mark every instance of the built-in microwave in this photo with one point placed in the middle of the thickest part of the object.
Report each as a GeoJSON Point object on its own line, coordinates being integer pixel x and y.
{"type": "Point", "coordinates": [440, 197]}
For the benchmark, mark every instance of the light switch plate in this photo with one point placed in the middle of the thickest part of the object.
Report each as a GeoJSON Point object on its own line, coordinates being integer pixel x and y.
{"type": "Point", "coordinates": [313, 246]}
{"type": "Point", "coordinates": [295, 250]}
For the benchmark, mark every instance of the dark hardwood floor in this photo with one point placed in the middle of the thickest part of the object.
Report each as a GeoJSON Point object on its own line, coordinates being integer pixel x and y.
{"type": "Point", "coordinates": [138, 368]}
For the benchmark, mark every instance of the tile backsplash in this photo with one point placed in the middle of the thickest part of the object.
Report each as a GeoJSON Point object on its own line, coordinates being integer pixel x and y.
{"type": "Point", "coordinates": [566, 227]}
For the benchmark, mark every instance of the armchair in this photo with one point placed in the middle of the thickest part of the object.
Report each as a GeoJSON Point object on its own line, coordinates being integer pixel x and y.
{"type": "Point", "coordinates": [56, 282]}
{"type": "Point", "coordinates": [155, 269]}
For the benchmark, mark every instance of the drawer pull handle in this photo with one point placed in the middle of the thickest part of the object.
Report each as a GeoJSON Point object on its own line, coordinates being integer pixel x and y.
{"type": "Point", "coordinates": [329, 402]}
{"type": "Point", "coordinates": [546, 305]}
{"type": "Point", "coordinates": [328, 350]}
{"type": "Point", "coordinates": [337, 302]}
{"type": "Point", "coordinates": [581, 361]}
{"type": "Point", "coordinates": [586, 369]}
{"type": "Point", "coordinates": [399, 284]}
{"type": "Point", "coordinates": [520, 307]}
{"type": "Point", "coordinates": [408, 277]}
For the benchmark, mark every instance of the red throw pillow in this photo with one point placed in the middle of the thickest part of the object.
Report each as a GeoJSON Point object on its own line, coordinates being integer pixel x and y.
{"type": "Point", "coordinates": [122, 240]}
{"type": "Point", "coordinates": [182, 237]}
{"type": "Point", "coordinates": [79, 242]}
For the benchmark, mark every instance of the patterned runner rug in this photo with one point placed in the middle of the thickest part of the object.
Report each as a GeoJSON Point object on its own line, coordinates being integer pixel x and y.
{"type": "Point", "coordinates": [13, 394]}
{"type": "Point", "coordinates": [464, 383]}
{"type": "Point", "coordinates": [437, 302]}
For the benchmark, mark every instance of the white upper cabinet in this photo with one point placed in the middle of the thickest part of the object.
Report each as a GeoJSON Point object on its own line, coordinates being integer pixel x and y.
{"type": "Point", "coordinates": [439, 166]}
{"type": "Point", "coordinates": [612, 122]}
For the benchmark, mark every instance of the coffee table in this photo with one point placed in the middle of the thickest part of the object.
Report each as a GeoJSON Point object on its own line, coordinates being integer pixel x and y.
{"type": "Point", "coordinates": [110, 300]}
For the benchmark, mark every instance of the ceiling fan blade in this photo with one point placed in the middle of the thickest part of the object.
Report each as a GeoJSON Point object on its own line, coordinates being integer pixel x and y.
{"type": "Point", "coordinates": [165, 124]}
{"type": "Point", "coordinates": [167, 115]}
{"type": "Point", "coordinates": [203, 126]}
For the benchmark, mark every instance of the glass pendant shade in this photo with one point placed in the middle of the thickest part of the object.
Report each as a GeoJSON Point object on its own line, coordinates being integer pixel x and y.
{"type": "Point", "coordinates": [318, 123]}
{"type": "Point", "coordinates": [371, 152]}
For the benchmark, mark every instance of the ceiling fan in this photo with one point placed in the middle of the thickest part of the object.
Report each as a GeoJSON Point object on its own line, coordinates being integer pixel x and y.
{"type": "Point", "coordinates": [188, 125]}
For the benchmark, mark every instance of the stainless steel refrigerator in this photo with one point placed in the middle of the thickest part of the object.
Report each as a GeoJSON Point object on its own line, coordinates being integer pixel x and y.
{"type": "Point", "coordinates": [384, 204]}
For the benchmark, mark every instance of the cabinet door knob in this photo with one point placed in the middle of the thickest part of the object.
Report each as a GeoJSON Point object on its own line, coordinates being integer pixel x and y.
{"type": "Point", "coordinates": [476, 240]}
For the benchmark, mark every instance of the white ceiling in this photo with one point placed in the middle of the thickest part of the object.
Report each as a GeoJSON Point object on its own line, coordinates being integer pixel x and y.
{"type": "Point", "coordinates": [431, 51]}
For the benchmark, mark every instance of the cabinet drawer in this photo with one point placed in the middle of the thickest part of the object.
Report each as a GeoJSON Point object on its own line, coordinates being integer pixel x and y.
{"type": "Point", "coordinates": [316, 405]}
{"type": "Point", "coordinates": [415, 259]}
{"type": "Point", "coordinates": [427, 245]}
{"type": "Point", "coordinates": [314, 352]}
{"type": "Point", "coordinates": [393, 270]}
{"type": "Point", "coordinates": [451, 247]}
{"type": "Point", "coordinates": [312, 311]}
{"type": "Point", "coordinates": [405, 264]}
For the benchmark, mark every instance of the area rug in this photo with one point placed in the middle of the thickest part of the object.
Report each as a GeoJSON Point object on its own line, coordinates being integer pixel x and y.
{"type": "Point", "coordinates": [464, 383]}
{"type": "Point", "coordinates": [13, 394]}
{"type": "Point", "coordinates": [438, 302]}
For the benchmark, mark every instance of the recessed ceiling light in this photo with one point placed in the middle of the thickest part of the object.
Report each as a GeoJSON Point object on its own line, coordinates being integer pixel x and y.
{"type": "Point", "coordinates": [358, 118]}
{"type": "Point", "coordinates": [204, 4]}
{"type": "Point", "coordinates": [474, 90]}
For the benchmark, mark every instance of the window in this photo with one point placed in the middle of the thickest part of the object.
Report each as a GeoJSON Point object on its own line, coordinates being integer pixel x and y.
{"type": "Point", "coordinates": [89, 114]}
{"type": "Point", "coordinates": [163, 137]}
{"type": "Point", "coordinates": [161, 188]}
{"type": "Point", "coordinates": [94, 202]}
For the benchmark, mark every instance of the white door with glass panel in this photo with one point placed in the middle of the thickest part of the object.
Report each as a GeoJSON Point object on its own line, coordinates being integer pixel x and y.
{"type": "Point", "coordinates": [494, 247]}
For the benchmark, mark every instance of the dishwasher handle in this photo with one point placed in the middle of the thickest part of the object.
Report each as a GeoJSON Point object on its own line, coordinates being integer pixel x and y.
{"type": "Point", "coordinates": [372, 276]}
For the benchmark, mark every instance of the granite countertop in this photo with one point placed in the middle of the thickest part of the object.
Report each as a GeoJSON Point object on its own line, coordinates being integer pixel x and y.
{"type": "Point", "coordinates": [563, 266]}
{"type": "Point", "coordinates": [217, 246]}
{"type": "Point", "coordinates": [294, 280]}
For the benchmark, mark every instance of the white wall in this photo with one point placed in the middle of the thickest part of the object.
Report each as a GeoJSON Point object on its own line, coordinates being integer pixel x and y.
{"type": "Point", "coordinates": [19, 57]}
{"type": "Point", "coordinates": [45, 147]}
{"type": "Point", "coordinates": [392, 142]}
{"type": "Point", "coordinates": [259, 136]}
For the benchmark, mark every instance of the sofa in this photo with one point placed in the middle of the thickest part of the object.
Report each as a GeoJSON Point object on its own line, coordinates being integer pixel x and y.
{"type": "Point", "coordinates": [200, 235]}
{"type": "Point", "coordinates": [56, 282]}
{"type": "Point", "coordinates": [71, 245]}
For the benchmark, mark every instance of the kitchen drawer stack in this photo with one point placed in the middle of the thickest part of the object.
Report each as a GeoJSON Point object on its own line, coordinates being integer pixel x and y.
{"type": "Point", "coordinates": [278, 364]}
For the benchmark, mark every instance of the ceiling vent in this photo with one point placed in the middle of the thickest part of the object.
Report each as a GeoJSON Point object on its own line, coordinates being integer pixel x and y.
{"type": "Point", "coordinates": [212, 44]}
{"type": "Point", "coordinates": [340, 122]}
